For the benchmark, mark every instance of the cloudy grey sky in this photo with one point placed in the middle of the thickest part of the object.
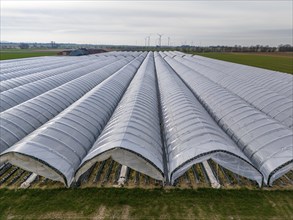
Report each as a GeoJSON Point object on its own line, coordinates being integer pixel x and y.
{"type": "Point", "coordinates": [129, 22]}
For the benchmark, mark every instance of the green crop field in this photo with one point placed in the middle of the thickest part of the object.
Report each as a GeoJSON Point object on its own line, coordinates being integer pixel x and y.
{"type": "Point", "coordinates": [114, 203]}
{"type": "Point", "coordinates": [282, 62]}
{"type": "Point", "coordinates": [25, 53]}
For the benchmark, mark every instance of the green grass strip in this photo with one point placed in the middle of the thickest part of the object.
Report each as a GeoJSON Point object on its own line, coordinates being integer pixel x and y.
{"type": "Point", "coordinates": [17, 55]}
{"type": "Point", "coordinates": [277, 63]}
{"type": "Point", "coordinates": [113, 203]}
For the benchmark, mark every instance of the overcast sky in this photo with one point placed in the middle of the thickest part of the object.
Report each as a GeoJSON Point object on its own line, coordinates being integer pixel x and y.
{"type": "Point", "coordinates": [129, 22]}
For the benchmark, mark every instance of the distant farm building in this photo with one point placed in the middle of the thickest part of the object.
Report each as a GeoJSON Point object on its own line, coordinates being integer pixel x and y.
{"type": "Point", "coordinates": [81, 52]}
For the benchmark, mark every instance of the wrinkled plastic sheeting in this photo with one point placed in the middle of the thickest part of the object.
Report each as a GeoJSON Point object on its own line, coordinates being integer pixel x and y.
{"type": "Point", "coordinates": [132, 136]}
{"type": "Point", "coordinates": [191, 135]}
{"type": "Point", "coordinates": [18, 122]}
{"type": "Point", "coordinates": [266, 142]}
{"type": "Point", "coordinates": [276, 105]}
{"type": "Point", "coordinates": [10, 74]}
{"type": "Point", "coordinates": [280, 171]}
{"type": "Point", "coordinates": [59, 146]}
{"type": "Point", "coordinates": [62, 68]}
{"type": "Point", "coordinates": [8, 66]}
{"type": "Point", "coordinates": [282, 83]}
{"type": "Point", "coordinates": [18, 95]}
{"type": "Point", "coordinates": [18, 64]}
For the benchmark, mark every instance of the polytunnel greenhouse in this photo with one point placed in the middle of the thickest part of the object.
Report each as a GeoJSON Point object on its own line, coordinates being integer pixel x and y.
{"type": "Point", "coordinates": [164, 117]}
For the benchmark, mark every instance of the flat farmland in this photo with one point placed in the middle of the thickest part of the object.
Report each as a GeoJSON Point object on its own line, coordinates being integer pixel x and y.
{"type": "Point", "coordinates": [278, 61]}
{"type": "Point", "coordinates": [25, 53]}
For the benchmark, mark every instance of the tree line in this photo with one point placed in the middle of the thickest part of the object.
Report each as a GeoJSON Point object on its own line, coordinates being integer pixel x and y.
{"type": "Point", "coordinates": [237, 48]}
